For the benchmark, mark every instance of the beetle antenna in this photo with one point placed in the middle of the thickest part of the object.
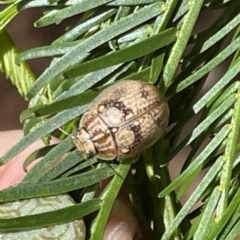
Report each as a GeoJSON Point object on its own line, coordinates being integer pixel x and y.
{"type": "Point", "coordinates": [95, 169]}
{"type": "Point", "coordinates": [114, 170]}
{"type": "Point", "coordinates": [65, 132]}
{"type": "Point", "coordinates": [89, 162]}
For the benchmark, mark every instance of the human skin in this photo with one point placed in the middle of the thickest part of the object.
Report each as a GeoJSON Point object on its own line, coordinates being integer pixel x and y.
{"type": "Point", "coordinates": [122, 224]}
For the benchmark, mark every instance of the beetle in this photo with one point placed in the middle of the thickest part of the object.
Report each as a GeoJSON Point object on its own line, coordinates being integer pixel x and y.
{"type": "Point", "coordinates": [122, 121]}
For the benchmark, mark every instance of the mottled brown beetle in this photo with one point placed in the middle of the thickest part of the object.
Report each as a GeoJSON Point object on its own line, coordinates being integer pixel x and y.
{"type": "Point", "coordinates": [122, 121]}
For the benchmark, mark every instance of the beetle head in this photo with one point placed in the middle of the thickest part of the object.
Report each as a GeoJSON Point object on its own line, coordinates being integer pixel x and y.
{"type": "Point", "coordinates": [84, 144]}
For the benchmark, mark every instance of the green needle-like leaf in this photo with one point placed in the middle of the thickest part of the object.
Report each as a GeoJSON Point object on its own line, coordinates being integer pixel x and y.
{"type": "Point", "coordinates": [27, 190]}
{"type": "Point", "coordinates": [67, 12]}
{"type": "Point", "coordinates": [19, 75]}
{"type": "Point", "coordinates": [96, 40]}
{"type": "Point", "coordinates": [194, 198]}
{"type": "Point", "coordinates": [59, 216]}
{"type": "Point", "coordinates": [217, 87]}
{"type": "Point", "coordinates": [181, 43]}
{"type": "Point", "coordinates": [196, 162]}
{"type": "Point", "coordinates": [207, 214]}
{"type": "Point", "coordinates": [137, 50]}
{"type": "Point", "coordinates": [210, 65]}
{"type": "Point", "coordinates": [49, 160]}
{"type": "Point", "coordinates": [46, 128]}
{"type": "Point", "coordinates": [108, 199]}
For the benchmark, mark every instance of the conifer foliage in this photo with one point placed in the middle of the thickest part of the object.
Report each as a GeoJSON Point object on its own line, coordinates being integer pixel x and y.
{"type": "Point", "coordinates": [150, 40]}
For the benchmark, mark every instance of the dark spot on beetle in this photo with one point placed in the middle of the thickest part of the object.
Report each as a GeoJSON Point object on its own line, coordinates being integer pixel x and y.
{"type": "Point", "coordinates": [118, 93]}
{"type": "Point", "coordinates": [137, 133]}
{"type": "Point", "coordinates": [90, 154]}
{"type": "Point", "coordinates": [158, 121]}
{"type": "Point", "coordinates": [144, 93]}
{"type": "Point", "coordinates": [118, 105]}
